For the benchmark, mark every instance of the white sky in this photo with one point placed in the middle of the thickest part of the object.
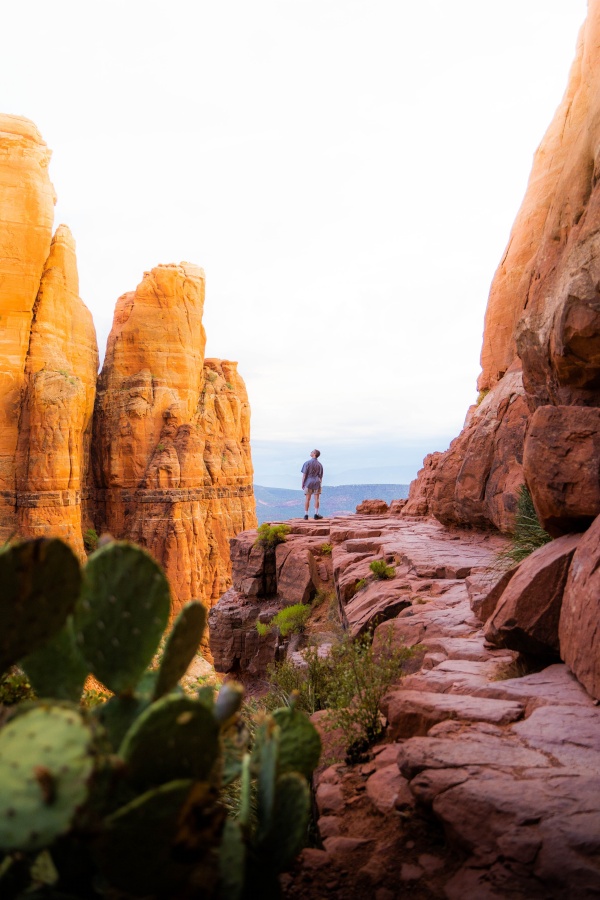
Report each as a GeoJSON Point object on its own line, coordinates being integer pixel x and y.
{"type": "Point", "coordinates": [346, 171]}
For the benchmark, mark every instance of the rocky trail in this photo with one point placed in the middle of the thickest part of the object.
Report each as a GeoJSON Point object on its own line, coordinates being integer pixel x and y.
{"type": "Point", "coordinates": [486, 784]}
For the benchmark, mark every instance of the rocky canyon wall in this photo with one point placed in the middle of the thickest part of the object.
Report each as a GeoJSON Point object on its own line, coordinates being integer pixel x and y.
{"type": "Point", "coordinates": [158, 449]}
{"type": "Point", "coordinates": [537, 421]}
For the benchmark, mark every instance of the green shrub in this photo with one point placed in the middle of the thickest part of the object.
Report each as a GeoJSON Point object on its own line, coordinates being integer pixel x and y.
{"type": "Point", "coordinates": [360, 678]}
{"type": "Point", "coordinates": [122, 782]}
{"type": "Point", "coordinates": [381, 570]}
{"type": "Point", "coordinates": [350, 683]}
{"type": "Point", "coordinates": [326, 549]}
{"type": "Point", "coordinates": [90, 540]}
{"type": "Point", "coordinates": [482, 395]}
{"type": "Point", "coordinates": [229, 385]}
{"type": "Point", "coordinates": [360, 584]}
{"type": "Point", "coordinates": [289, 620]}
{"type": "Point", "coordinates": [310, 684]}
{"type": "Point", "coordinates": [527, 535]}
{"type": "Point", "coordinates": [271, 535]}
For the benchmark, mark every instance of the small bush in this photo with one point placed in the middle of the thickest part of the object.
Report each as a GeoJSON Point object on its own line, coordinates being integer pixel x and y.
{"type": "Point", "coordinates": [381, 570]}
{"type": "Point", "coordinates": [271, 535]}
{"type": "Point", "coordinates": [90, 540]}
{"type": "Point", "coordinates": [264, 628]}
{"type": "Point", "coordinates": [528, 534]}
{"type": "Point", "coordinates": [229, 385]}
{"type": "Point", "coordinates": [362, 676]}
{"type": "Point", "coordinates": [360, 584]}
{"type": "Point", "coordinates": [309, 684]}
{"type": "Point", "coordinates": [326, 549]}
{"type": "Point", "coordinates": [289, 620]}
{"type": "Point", "coordinates": [482, 395]}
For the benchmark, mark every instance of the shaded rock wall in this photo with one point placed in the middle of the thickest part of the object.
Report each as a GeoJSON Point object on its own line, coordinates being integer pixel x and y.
{"type": "Point", "coordinates": [171, 430]}
{"type": "Point", "coordinates": [541, 342]}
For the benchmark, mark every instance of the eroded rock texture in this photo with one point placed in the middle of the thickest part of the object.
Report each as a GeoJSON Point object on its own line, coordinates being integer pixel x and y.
{"type": "Point", "coordinates": [172, 467]}
{"type": "Point", "coordinates": [541, 343]}
{"type": "Point", "coordinates": [48, 354]}
{"type": "Point", "coordinates": [171, 445]}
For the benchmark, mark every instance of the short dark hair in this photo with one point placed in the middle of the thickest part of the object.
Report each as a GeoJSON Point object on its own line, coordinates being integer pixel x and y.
{"type": "Point", "coordinates": [317, 453]}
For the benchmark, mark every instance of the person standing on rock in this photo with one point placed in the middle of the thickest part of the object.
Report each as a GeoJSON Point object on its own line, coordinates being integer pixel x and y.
{"type": "Point", "coordinates": [312, 475]}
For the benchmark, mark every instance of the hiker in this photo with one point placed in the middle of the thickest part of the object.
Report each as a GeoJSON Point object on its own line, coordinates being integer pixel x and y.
{"type": "Point", "coordinates": [312, 475]}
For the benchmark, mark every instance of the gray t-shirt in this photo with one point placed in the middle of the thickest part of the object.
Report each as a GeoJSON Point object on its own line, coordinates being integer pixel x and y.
{"type": "Point", "coordinates": [313, 470]}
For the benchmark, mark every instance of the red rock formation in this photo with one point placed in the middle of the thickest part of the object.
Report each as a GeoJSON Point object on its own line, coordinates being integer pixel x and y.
{"type": "Point", "coordinates": [543, 316]}
{"type": "Point", "coordinates": [171, 436]}
{"type": "Point", "coordinates": [528, 611]}
{"type": "Point", "coordinates": [172, 457]}
{"type": "Point", "coordinates": [55, 423]}
{"type": "Point", "coordinates": [579, 633]}
{"type": "Point", "coordinates": [26, 215]}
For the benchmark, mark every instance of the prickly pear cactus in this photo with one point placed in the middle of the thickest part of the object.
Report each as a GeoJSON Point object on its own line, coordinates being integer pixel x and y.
{"type": "Point", "coordinates": [123, 612]}
{"type": "Point", "coordinates": [181, 647]}
{"type": "Point", "coordinates": [57, 669]}
{"type": "Point", "coordinates": [176, 737]}
{"type": "Point", "coordinates": [288, 823]}
{"type": "Point", "coordinates": [40, 582]}
{"type": "Point", "coordinates": [299, 742]}
{"type": "Point", "coordinates": [46, 762]}
{"type": "Point", "coordinates": [150, 846]}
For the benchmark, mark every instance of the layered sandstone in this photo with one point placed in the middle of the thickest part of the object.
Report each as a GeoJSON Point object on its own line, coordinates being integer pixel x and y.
{"type": "Point", "coordinates": [541, 343]}
{"type": "Point", "coordinates": [26, 216]}
{"type": "Point", "coordinates": [57, 403]}
{"type": "Point", "coordinates": [171, 448]}
{"type": "Point", "coordinates": [171, 463]}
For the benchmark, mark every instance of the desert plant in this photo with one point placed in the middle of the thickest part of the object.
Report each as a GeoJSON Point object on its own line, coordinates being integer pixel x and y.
{"type": "Point", "coordinates": [271, 535]}
{"type": "Point", "coordinates": [15, 687]}
{"type": "Point", "coordinates": [126, 797]}
{"type": "Point", "coordinates": [360, 677]}
{"type": "Point", "coordinates": [308, 685]}
{"type": "Point", "coordinates": [381, 570]}
{"type": "Point", "coordinates": [527, 534]}
{"type": "Point", "coordinates": [90, 540]}
{"type": "Point", "coordinates": [326, 549]}
{"type": "Point", "coordinates": [360, 584]}
{"type": "Point", "coordinates": [289, 620]}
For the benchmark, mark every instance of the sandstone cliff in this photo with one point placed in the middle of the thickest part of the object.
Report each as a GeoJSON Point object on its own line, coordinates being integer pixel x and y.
{"type": "Point", "coordinates": [48, 352]}
{"type": "Point", "coordinates": [541, 345]}
{"type": "Point", "coordinates": [171, 453]}
{"type": "Point", "coordinates": [171, 462]}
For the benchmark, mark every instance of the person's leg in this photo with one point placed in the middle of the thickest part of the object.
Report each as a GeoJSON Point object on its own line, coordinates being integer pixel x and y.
{"type": "Point", "coordinates": [317, 498]}
{"type": "Point", "coordinates": [306, 502]}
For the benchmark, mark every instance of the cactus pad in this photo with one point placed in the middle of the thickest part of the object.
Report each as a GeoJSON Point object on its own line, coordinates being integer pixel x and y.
{"type": "Point", "coordinates": [123, 612]}
{"type": "Point", "coordinates": [232, 862]}
{"type": "Point", "coordinates": [152, 845]}
{"type": "Point", "coordinates": [176, 737]}
{"type": "Point", "coordinates": [40, 581]}
{"type": "Point", "coordinates": [57, 669]}
{"type": "Point", "coordinates": [289, 822]}
{"type": "Point", "coordinates": [299, 742]}
{"type": "Point", "coordinates": [46, 760]}
{"type": "Point", "coordinates": [181, 647]}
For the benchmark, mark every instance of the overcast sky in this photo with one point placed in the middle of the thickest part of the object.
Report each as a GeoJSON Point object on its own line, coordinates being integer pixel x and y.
{"type": "Point", "coordinates": [346, 172]}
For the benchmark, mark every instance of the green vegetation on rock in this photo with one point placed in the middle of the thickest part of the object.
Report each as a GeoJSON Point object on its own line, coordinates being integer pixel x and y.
{"type": "Point", "coordinates": [527, 534]}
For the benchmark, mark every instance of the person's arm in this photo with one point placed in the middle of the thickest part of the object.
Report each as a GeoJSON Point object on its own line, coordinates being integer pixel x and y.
{"type": "Point", "coordinates": [303, 470]}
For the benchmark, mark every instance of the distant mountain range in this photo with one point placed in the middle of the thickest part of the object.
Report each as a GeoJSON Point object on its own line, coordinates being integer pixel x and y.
{"type": "Point", "coordinates": [336, 500]}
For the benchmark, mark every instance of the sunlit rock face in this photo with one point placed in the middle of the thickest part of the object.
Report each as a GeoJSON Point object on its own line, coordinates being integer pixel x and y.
{"type": "Point", "coordinates": [171, 447]}
{"type": "Point", "coordinates": [57, 403]}
{"type": "Point", "coordinates": [26, 216]}
{"type": "Point", "coordinates": [171, 465]}
{"type": "Point", "coordinates": [542, 329]}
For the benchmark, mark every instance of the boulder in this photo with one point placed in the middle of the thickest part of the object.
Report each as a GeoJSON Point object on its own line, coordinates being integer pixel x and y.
{"type": "Point", "coordinates": [485, 592]}
{"type": "Point", "coordinates": [372, 508]}
{"type": "Point", "coordinates": [561, 465]}
{"type": "Point", "coordinates": [579, 631]}
{"type": "Point", "coordinates": [527, 615]}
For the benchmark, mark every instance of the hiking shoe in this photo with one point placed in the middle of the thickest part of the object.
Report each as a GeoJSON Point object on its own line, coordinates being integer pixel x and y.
{"type": "Point", "coordinates": [317, 516]}
{"type": "Point", "coordinates": [306, 517]}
